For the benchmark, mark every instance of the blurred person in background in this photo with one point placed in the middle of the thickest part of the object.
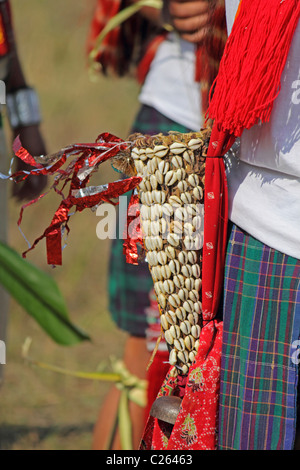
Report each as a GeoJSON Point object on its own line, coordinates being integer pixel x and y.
{"type": "Point", "coordinates": [176, 67]}
{"type": "Point", "coordinates": [23, 117]}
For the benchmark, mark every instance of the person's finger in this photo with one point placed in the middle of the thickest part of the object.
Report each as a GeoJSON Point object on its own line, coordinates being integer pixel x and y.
{"type": "Point", "coordinates": [187, 9]}
{"type": "Point", "coordinates": [191, 25]}
{"type": "Point", "coordinates": [196, 36]}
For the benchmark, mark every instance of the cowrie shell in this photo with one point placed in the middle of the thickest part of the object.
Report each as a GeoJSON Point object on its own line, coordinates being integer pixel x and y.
{"type": "Point", "coordinates": [170, 252]}
{"type": "Point", "coordinates": [181, 214]}
{"type": "Point", "coordinates": [192, 356]}
{"type": "Point", "coordinates": [163, 167]}
{"type": "Point", "coordinates": [152, 258]}
{"type": "Point", "coordinates": [173, 239]}
{"type": "Point", "coordinates": [179, 344]}
{"type": "Point", "coordinates": [174, 266]}
{"type": "Point", "coordinates": [154, 228]}
{"type": "Point", "coordinates": [183, 356]}
{"type": "Point", "coordinates": [157, 273]}
{"type": "Point", "coordinates": [171, 317]}
{"type": "Point", "coordinates": [189, 342]}
{"type": "Point", "coordinates": [164, 322]}
{"type": "Point", "coordinates": [178, 281]}
{"type": "Point", "coordinates": [155, 211]}
{"type": "Point", "coordinates": [166, 272]}
{"type": "Point", "coordinates": [145, 211]}
{"type": "Point", "coordinates": [186, 270]}
{"type": "Point", "coordinates": [182, 257]}
{"type": "Point", "coordinates": [169, 286]}
{"type": "Point", "coordinates": [192, 257]}
{"type": "Point", "coordinates": [180, 174]}
{"type": "Point", "coordinates": [189, 283]}
{"type": "Point", "coordinates": [146, 227]}
{"type": "Point", "coordinates": [177, 148]}
{"type": "Point", "coordinates": [173, 357]}
{"type": "Point", "coordinates": [162, 225]}
{"type": "Point", "coordinates": [187, 307]}
{"type": "Point", "coordinates": [175, 331]}
{"type": "Point", "coordinates": [198, 193]}
{"type": "Point", "coordinates": [157, 289]}
{"type": "Point", "coordinates": [176, 227]}
{"type": "Point", "coordinates": [168, 337]}
{"type": "Point", "coordinates": [162, 300]}
{"type": "Point", "coordinates": [170, 178]}
{"type": "Point", "coordinates": [192, 209]}
{"type": "Point", "coordinates": [182, 186]}
{"type": "Point", "coordinates": [159, 177]}
{"type": "Point", "coordinates": [139, 165]}
{"type": "Point", "coordinates": [175, 201]}
{"type": "Point", "coordinates": [189, 157]}
{"type": "Point", "coordinates": [183, 294]}
{"type": "Point", "coordinates": [148, 243]}
{"type": "Point", "coordinates": [180, 313]}
{"type": "Point", "coordinates": [197, 222]}
{"type": "Point", "coordinates": [148, 198]}
{"type": "Point", "coordinates": [145, 185]}
{"type": "Point", "coordinates": [185, 327]}
{"type": "Point", "coordinates": [195, 144]}
{"type": "Point", "coordinates": [184, 369]}
{"type": "Point", "coordinates": [196, 271]}
{"type": "Point", "coordinates": [135, 153]}
{"type": "Point", "coordinates": [143, 155]}
{"type": "Point", "coordinates": [157, 243]}
{"type": "Point", "coordinates": [177, 161]}
{"type": "Point", "coordinates": [167, 209]}
{"type": "Point", "coordinates": [193, 295]}
{"type": "Point", "coordinates": [151, 167]}
{"type": "Point", "coordinates": [193, 180]}
{"type": "Point", "coordinates": [193, 318]}
{"type": "Point", "coordinates": [186, 198]}
{"type": "Point", "coordinates": [195, 330]}
{"type": "Point", "coordinates": [188, 228]}
{"type": "Point", "coordinates": [162, 257]}
{"type": "Point", "coordinates": [153, 181]}
{"type": "Point", "coordinates": [158, 197]}
{"type": "Point", "coordinates": [160, 150]}
{"type": "Point", "coordinates": [174, 300]}
{"type": "Point", "coordinates": [198, 307]}
{"type": "Point", "coordinates": [198, 284]}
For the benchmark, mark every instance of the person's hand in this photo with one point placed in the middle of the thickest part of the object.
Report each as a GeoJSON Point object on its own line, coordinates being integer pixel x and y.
{"type": "Point", "coordinates": [32, 141]}
{"type": "Point", "coordinates": [190, 18]}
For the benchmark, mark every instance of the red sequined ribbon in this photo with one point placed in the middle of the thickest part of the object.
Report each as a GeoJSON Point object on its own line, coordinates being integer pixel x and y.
{"type": "Point", "coordinates": [87, 158]}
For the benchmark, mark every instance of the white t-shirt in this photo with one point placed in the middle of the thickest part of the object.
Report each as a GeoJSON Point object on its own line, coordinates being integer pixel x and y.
{"type": "Point", "coordinates": [170, 85]}
{"type": "Point", "coordinates": [264, 182]}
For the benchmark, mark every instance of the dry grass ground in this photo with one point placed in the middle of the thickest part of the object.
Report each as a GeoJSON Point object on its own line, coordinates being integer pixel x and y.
{"type": "Point", "coordinates": [39, 409]}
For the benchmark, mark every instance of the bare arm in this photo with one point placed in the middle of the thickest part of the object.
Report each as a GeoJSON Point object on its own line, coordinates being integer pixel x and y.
{"type": "Point", "coordinates": [30, 135]}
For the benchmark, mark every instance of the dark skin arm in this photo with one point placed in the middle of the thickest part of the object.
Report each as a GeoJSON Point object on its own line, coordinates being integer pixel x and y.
{"type": "Point", "coordinates": [31, 137]}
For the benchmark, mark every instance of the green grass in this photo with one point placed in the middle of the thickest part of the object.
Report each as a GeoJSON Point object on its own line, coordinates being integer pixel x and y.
{"type": "Point", "coordinates": [39, 409]}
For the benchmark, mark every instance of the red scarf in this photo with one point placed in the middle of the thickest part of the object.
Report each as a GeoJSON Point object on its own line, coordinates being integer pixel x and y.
{"type": "Point", "coordinates": [246, 87]}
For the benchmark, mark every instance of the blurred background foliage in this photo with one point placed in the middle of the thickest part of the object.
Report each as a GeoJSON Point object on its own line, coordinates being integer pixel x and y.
{"type": "Point", "coordinates": [39, 409]}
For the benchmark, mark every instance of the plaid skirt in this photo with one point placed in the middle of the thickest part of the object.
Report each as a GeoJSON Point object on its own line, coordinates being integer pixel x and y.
{"type": "Point", "coordinates": [259, 372]}
{"type": "Point", "coordinates": [129, 286]}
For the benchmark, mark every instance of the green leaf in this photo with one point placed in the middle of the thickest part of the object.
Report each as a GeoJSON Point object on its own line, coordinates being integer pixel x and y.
{"type": "Point", "coordinates": [38, 294]}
